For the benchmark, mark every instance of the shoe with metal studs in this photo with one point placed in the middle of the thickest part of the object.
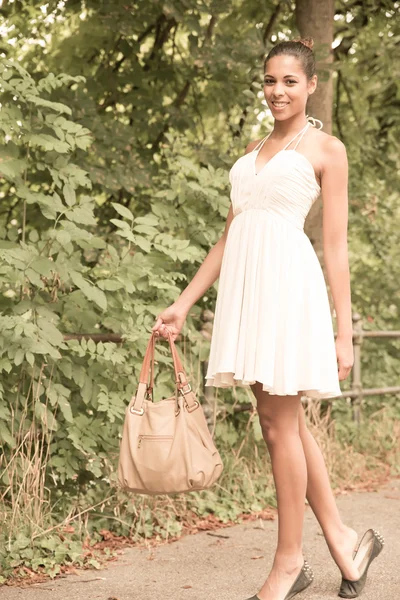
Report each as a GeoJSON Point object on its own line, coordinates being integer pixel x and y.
{"type": "Point", "coordinates": [370, 546]}
{"type": "Point", "coordinates": [303, 580]}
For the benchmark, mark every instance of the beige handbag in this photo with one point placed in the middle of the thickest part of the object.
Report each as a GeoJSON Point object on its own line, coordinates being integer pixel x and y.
{"type": "Point", "coordinates": [166, 446]}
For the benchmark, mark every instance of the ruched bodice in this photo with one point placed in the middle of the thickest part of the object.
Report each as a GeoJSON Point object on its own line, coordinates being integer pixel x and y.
{"type": "Point", "coordinates": [285, 186]}
{"type": "Point", "coordinates": [272, 319]}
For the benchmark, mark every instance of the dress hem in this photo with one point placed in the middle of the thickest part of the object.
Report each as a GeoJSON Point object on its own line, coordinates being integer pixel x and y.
{"type": "Point", "coordinates": [311, 392]}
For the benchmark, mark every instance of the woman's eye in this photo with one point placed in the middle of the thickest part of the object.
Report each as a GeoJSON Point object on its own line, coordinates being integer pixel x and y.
{"type": "Point", "coordinates": [269, 81]}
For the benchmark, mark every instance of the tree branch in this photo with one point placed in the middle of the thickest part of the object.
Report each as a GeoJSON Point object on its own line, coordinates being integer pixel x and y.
{"type": "Point", "coordinates": [182, 95]}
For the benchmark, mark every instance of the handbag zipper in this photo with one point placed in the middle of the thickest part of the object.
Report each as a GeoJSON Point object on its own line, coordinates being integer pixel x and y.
{"type": "Point", "coordinates": [154, 438]}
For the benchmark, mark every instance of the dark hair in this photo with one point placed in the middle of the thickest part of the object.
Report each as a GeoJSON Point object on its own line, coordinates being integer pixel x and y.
{"type": "Point", "coordinates": [301, 49]}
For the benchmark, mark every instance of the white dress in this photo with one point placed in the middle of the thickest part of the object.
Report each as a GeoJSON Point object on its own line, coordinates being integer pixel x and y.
{"type": "Point", "coordinates": [272, 320]}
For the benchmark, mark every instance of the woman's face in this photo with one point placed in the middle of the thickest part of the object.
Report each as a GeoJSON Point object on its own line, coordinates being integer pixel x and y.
{"type": "Point", "coordinates": [286, 87]}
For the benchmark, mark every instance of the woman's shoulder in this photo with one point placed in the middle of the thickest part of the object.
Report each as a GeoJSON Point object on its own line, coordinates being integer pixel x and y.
{"type": "Point", "coordinates": [328, 143]}
{"type": "Point", "coordinates": [328, 150]}
{"type": "Point", "coordinates": [251, 145]}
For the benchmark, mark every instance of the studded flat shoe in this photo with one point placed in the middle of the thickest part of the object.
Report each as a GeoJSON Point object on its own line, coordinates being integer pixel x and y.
{"type": "Point", "coordinates": [369, 547]}
{"type": "Point", "coordinates": [303, 580]}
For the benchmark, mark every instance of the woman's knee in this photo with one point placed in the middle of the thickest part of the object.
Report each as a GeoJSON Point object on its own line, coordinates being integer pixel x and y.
{"type": "Point", "coordinates": [279, 416]}
{"type": "Point", "coordinates": [275, 430]}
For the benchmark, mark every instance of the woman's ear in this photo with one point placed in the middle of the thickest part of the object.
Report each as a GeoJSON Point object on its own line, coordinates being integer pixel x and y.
{"type": "Point", "coordinates": [312, 84]}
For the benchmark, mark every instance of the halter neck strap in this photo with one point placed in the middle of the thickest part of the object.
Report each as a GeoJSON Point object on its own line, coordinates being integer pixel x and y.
{"type": "Point", "coordinates": [261, 143]}
{"type": "Point", "coordinates": [301, 134]}
{"type": "Point", "coordinates": [310, 121]}
{"type": "Point", "coordinates": [313, 121]}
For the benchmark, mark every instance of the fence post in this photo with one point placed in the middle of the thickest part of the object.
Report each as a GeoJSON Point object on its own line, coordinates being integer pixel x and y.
{"type": "Point", "coordinates": [357, 385]}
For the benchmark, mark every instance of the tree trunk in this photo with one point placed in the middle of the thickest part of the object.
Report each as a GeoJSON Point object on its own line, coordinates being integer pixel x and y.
{"type": "Point", "coordinates": [315, 19]}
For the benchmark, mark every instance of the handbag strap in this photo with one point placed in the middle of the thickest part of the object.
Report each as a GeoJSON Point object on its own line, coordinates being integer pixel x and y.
{"type": "Point", "coordinates": [146, 391]}
{"type": "Point", "coordinates": [148, 363]}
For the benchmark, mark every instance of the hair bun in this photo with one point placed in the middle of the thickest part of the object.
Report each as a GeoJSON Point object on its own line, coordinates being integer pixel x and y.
{"type": "Point", "coordinates": [308, 42]}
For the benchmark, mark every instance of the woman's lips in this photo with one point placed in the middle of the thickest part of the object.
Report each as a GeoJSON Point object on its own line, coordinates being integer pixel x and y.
{"type": "Point", "coordinates": [280, 105]}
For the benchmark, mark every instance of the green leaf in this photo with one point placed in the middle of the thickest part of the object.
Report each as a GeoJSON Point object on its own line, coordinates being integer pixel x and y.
{"type": "Point", "coordinates": [82, 215]}
{"type": "Point", "coordinates": [63, 237]}
{"type": "Point", "coordinates": [65, 408]}
{"type": "Point", "coordinates": [30, 358]}
{"type": "Point", "coordinates": [84, 139]}
{"type": "Point", "coordinates": [143, 243]}
{"type": "Point", "coordinates": [45, 415]}
{"type": "Point", "coordinates": [87, 389]}
{"type": "Point", "coordinates": [48, 143]}
{"type": "Point", "coordinates": [12, 168]}
{"type": "Point", "coordinates": [43, 266]}
{"type": "Point", "coordinates": [5, 435]}
{"type": "Point", "coordinates": [148, 219]}
{"type": "Point", "coordinates": [123, 211]}
{"type": "Point", "coordinates": [122, 224]}
{"type": "Point", "coordinates": [69, 194]}
{"type": "Point", "coordinates": [127, 234]}
{"type": "Point", "coordinates": [34, 278]}
{"type": "Point", "coordinates": [91, 292]}
{"type": "Point", "coordinates": [110, 285]}
{"type": "Point", "coordinates": [19, 356]}
{"type": "Point", "coordinates": [56, 106]}
{"type": "Point", "coordinates": [146, 229]}
{"type": "Point", "coordinates": [5, 365]}
{"type": "Point", "coordinates": [100, 298]}
{"type": "Point", "coordinates": [249, 94]}
{"type": "Point", "coordinates": [49, 332]}
{"type": "Point", "coordinates": [33, 236]}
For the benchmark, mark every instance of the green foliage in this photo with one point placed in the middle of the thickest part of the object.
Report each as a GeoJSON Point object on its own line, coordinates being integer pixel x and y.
{"type": "Point", "coordinates": [44, 555]}
{"type": "Point", "coordinates": [66, 270]}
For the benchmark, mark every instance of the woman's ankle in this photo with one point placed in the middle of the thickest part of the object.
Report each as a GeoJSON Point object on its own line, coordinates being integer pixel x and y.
{"type": "Point", "coordinates": [340, 535]}
{"type": "Point", "coordinates": [288, 562]}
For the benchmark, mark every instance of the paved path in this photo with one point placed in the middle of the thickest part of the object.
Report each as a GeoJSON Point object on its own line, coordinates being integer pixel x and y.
{"type": "Point", "coordinates": [233, 565]}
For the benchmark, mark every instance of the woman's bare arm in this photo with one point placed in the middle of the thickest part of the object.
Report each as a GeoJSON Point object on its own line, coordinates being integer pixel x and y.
{"type": "Point", "coordinates": [334, 183]}
{"type": "Point", "coordinates": [207, 273]}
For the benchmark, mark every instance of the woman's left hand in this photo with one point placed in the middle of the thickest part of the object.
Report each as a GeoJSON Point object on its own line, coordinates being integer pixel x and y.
{"type": "Point", "coordinates": [345, 356]}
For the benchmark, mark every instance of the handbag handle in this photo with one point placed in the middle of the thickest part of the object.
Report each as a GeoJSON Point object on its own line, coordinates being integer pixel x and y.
{"type": "Point", "coordinates": [144, 390]}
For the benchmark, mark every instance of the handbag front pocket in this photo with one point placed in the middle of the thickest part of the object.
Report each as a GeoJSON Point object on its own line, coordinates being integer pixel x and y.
{"type": "Point", "coordinates": [153, 455]}
{"type": "Point", "coordinates": [154, 438]}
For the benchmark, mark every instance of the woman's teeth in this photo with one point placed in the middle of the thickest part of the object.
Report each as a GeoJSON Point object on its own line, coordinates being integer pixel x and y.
{"type": "Point", "coordinates": [280, 104]}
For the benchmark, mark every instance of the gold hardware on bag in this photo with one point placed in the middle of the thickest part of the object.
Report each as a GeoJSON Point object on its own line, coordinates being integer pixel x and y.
{"type": "Point", "coordinates": [137, 411]}
{"type": "Point", "coordinates": [190, 409]}
{"type": "Point", "coordinates": [188, 389]}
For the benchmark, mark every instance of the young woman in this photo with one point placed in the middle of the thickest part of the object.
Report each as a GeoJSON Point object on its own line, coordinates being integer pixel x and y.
{"type": "Point", "coordinates": [272, 328]}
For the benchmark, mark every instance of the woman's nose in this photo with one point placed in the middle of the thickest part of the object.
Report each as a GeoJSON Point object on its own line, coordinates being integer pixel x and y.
{"type": "Point", "coordinates": [278, 90]}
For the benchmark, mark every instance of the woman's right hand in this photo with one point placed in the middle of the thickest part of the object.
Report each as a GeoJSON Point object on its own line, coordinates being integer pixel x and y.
{"type": "Point", "coordinates": [172, 318]}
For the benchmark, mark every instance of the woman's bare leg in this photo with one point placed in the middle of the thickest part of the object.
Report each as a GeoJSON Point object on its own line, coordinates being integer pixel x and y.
{"type": "Point", "coordinates": [279, 419]}
{"type": "Point", "coordinates": [341, 539]}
